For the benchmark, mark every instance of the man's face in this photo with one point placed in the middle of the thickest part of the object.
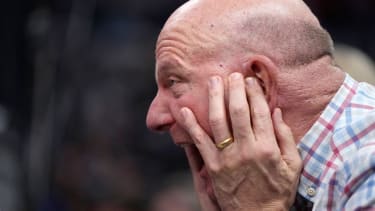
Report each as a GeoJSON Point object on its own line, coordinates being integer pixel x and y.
{"type": "Point", "coordinates": [185, 60]}
{"type": "Point", "coordinates": [182, 74]}
{"type": "Point", "coordinates": [180, 84]}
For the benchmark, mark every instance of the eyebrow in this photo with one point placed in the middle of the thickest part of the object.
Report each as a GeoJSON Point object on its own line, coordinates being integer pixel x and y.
{"type": "Point", "coordinates": [170, 66]}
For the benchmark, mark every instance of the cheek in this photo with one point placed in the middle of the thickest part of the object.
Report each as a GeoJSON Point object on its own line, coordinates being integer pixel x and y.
{"type": "Point", "coordinates": [199, 106]}
{"type": "Point", "coordinates": [202, 118]}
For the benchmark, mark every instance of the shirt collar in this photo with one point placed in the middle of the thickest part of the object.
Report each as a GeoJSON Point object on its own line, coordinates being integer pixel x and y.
{"type": "Point", "coordinates": [314, 146]}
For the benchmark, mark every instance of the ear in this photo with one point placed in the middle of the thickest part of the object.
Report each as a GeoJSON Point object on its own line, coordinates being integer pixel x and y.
{"type": "Point", "coordinates": [265, 71]}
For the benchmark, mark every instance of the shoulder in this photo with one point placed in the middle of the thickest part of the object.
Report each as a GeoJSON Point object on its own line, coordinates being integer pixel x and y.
{"type": "Point", "coordinates": [353, 142]}
{"type": "Point", "coordinates": [353, 180]}
{"type": "Point", "coordinates": [364, 96]}
{"type": "Point", "coordinates": [356, 121]}
{"type": "Point", "coordinates": [354, 130]}
{"type": "Point", "coordinates": [350, 180]}
{"type": "Point", "coordinates": [352, 185]}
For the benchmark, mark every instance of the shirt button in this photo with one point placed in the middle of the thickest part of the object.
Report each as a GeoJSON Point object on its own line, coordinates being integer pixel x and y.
{"type": "Point", "coordinates": [311, 191]}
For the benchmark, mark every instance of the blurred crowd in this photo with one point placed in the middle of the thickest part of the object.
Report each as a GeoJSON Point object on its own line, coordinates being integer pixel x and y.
{"type": "Point", "coordinates": [76, 79]}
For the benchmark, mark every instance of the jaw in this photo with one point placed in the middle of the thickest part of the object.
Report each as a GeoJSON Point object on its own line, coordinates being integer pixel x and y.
{"type": "Point", "coordinates": [196, 161]}
{"type": "Point", "coordinates": [198, 168]}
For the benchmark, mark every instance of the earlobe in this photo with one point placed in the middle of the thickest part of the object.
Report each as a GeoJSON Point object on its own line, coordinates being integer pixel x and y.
{"type": "Point", "coordinates": [264, 70]}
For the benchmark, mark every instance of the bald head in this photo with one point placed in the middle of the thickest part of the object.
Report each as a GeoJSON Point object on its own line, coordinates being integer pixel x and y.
{"type": "Point", "coordinates": [284, 30]}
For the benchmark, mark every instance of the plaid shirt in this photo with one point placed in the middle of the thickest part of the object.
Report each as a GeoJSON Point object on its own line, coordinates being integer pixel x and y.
{"type": "Point", "coordinates": [339, 152]}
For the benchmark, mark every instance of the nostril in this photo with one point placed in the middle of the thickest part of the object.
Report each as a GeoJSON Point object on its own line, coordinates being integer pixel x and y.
{"type": "Point", "coordinates": [158, 123]}
{"type": "Point", "coordinates": [159, 117]}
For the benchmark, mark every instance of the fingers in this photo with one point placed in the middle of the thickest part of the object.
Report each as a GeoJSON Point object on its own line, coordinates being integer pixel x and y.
{"type": "Point", "coordinates": [260, 113]}
{"type": "Point", "coordinates": [194, 162]}
{"type": "Point", "coordinates": [239, 109]}
{"type": "Point", "coordinates": [201, 140]}
{"type": "Point", "coordinates": [217, 113]}
{"type": "Point", "coordinates": [286, 141]}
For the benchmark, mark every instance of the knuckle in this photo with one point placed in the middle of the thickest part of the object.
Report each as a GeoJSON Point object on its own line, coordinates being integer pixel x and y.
{"type": "Point", "coordinates": [242, 133]}
{"type": "Point", "coordinates": [274, 158]}
{"type": "Point", "coordinates": [226, 165]}
{"type": "Point", "coordinates": [246, 155]}
{"type": "Point", "coordinates": [213, 93]}
{"type": "Point", "coordinates": [246, 159]}
{"type": "Point", "coordinates": [268, 153]}
{"type": "Point", "coordinates": [229, 163]}
{"type": "Point", "coordinates": [261, 112]}
{"type": "Point", "coordinates": [198, 137]}
{"type": "Point", "coordinates": [214, 168]}
{"type": "Point", "coordinates": [261, 129]}
{"type": "Point", "coordinates": [215, 121]}
{"type": "Point", "coordinates": [238, 110]}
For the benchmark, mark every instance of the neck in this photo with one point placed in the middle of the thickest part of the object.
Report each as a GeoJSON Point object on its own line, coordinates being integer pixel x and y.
{"type": "Point", "coordinates": [303, 101]}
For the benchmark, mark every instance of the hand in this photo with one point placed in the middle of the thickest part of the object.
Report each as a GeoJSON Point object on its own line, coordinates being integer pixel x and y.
{"type": "Point", "coordinates": [207, 203]}
{"type": "Point", "coordinates": [260, 170]}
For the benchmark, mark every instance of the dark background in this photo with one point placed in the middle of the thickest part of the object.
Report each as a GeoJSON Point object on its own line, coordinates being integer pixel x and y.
{"type": "Point", "coordinates": [76, 79]}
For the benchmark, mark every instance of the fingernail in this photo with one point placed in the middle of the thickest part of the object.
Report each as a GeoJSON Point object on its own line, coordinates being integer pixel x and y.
{"type": "Point", "coordinates": [278, 114]}
{"type": "Point", "coordinates": [250, 81]}
{"type": "Point", "coordinates": [213, 81]}
{"type": "Point", "coordinates": [184, 112]}
{"type": "Point", "coordinates": [235, 76]}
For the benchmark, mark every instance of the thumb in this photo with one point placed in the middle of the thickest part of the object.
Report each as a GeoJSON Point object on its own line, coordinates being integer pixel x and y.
{"type": "Point", "coordinates": [287, 144]}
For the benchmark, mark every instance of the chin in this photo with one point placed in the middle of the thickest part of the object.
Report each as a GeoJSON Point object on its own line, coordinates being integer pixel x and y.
{"type": "Point", "coordinates": [181, 138]}
{"type": "Point", "coordinates": [203, 174]}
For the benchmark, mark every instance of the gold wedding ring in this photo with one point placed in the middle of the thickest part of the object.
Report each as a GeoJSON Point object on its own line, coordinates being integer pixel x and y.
{"type": "Point", "coordinates": [225, 143]}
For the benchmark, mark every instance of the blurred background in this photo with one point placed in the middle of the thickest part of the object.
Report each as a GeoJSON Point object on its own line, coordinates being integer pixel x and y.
{"type": "Point", "coordinates": [76, 79]}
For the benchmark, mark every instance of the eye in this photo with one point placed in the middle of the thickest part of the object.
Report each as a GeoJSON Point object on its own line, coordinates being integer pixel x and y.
{"type": "Point", "coordinates": [172, 81]}
{"type": "Point", "coordinates": [177, 86]}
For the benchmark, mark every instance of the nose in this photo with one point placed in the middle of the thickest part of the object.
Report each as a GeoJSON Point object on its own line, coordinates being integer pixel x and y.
{"type": "Point", "coordinates": [159, 117]}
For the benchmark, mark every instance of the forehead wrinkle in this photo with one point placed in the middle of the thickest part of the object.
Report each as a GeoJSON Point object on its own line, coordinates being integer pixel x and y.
{"type": "Point", "coordinates": [170, 37]}
{"type": "Point", "coordinates": [169, 47]}
{"type": "Point", "coordinates": [171, 52]}
{"type": "Point", "coordinates": [172, 43]}
{"type": "Point", "coordinates": [195, 40]}
{"type": "Point", "coordinates": [172, 65]}
{"type": "Point", "coordinates": [168, 65]}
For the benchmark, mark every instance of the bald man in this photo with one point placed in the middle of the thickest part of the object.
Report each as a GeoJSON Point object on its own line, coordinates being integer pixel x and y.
{"type": "Point", "coordinates": [243, 84]}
